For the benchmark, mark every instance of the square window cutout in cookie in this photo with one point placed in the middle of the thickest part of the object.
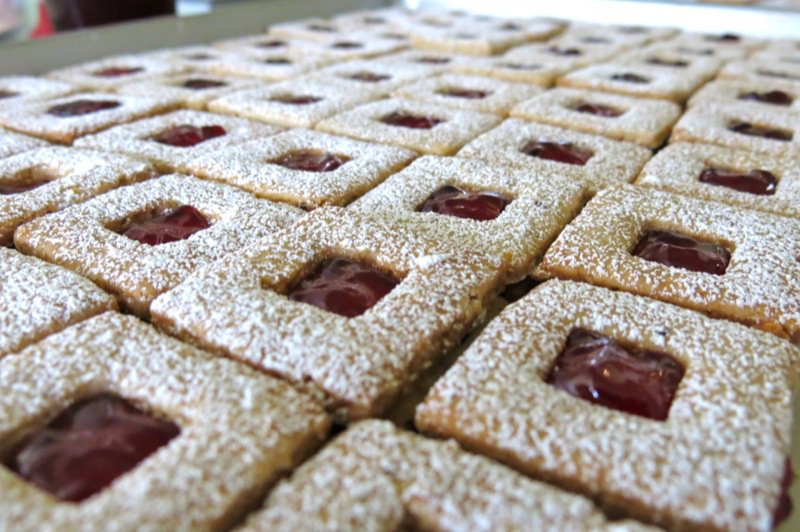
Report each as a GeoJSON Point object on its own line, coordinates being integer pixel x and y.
{"type": "Point", "coordinates": [64, 119]}
{"type": "Point", "coordinates": [396, 478]}
{"type": "Point", "coordinates": [12, 143]}
{"type": "Point", "coordinates": [39, 299]}
{"type": "Point", "coordinates": [772, 131]}
{"type": "Point", "coordinates": [296, 103]}
{"type": "Point", "coordinates": [139, 241]}
{"type": "Point", "coordinates": [469, 93]}
{"type": "Point", "coordinates": [728, 262]}
{"type": "Point", "coordinates": [305, 168]}
{"type": "Point", "coordinates": [470, 204]}
{"type": "Point", "coordinates": [638, 120]}
{"type": "Point", "coordinates": [44, 180]}
{"type": "Point", "coordinates": [15, 89]}
{"type": "Point", "coordinates": [616, 397]}
{"type": "Point", "coordinates": [376, 77]}
{"type": "Point", "coordinates": [351, 308]}
{"type": "Point", "coordinates": [192, 91]}
{"type": "Point", "coordinates": [543, 150]}
{"type": "Point", "coordinates": [778, 95]}
{"type": "Point", "coordinates": [425, 127]}
{"type": "Point", "coordinates": [108, 74]}
{"type": "Point", "coordinates": [742, 178]}
{"type": "Point", "coordinates": [179, 429]}
{"type": "Point", "coordinates": [171, 142]}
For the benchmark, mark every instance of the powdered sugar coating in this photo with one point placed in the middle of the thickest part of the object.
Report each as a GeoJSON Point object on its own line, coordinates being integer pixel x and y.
{"type": "Point", "coordinates": [548, 54]}
{"type": "Point", "coordinates": [481, 38]}
{"type": "Point", "coordinates": [765, 67]}
{"type": "Point", "coordinates": [730, 91]}
{"type": "Point", "coordinates": [507, 69]}
{"type": "Point", "coordinates": [677, 168]}
{"type": "Point", "coordinates": [715, 464]}
{"type": "Point", "coordinates": [693, 50]}
{"type": "Point", "coordinates": [31, 88]}
{"type": "Point", "coordinates": [248, 166]}
{"type": "Point", "coordinates": [12, 143]}
{"type": "Point", "coordinates": [356, 366]}
{"type": "Point", "coordinates": [39, 299]}
{"type": "Point", "coordinates": [742, 45]}
{"type": "Point", "coordinates": [341, 75]}
{"type": "Point", "coordinates": [539, 209]}
{"type": "Point", "coordinates": [136, 138]}
{"type": "Point", "coordinates": [455, 129]}
{"type": "Point", "coordinates": [671, 60]}
{"type": "Point", "coordinates": [433, 62]}
{"type": "Point", "coordinates": [353, 45]}
{"type": "Point", "coordinates": [239, 430]}
{"type": "Point", "coordinates": [376, 477]}
{"type": "Point", "coordinates": [86, 239]}
{"type": "Point", "coordinates": [613, 161]}
{"type": "Point", "coordinates": [270, 66]}
{"type": "Point", "coordinates": [88, 75]}
{"type": "Point", "coordinates": [74, 176]}
{"type": "Point", "coordinates": [758, 288]}
{"type": "Point", "coordinates": [171, 88]}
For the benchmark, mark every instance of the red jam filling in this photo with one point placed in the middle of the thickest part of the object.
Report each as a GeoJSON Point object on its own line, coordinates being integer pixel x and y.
{"type": "Point", "coordinates": [402, 119]}
{"type": "Point", "coordinates": [186, 136]}
{"type": "Point", "coordinates": [311, 161]}
{"type": "Point", "coordinates": [681, 251]}
{"type": "Point", "coordinates": [596, 368]}
{"type": "Point", "coordinates": [664, 62]}
{"type": "Point", "coordinates": [272, 44]}
{"type": "Point", "coordinates": [116, 72]}
{"type": "Point", "coordinates": [176, 225]}
{"type": "Point", "coordinates": [347, 45]}
{"type": "Point", "coordinates": [784, 507]}
{"type": "Point", "coordinates": [758, 182]}
{"type": "Point", "coordinates": [630, 77]}
{"type": "Point", "coordinates": [200, 56]}
{"type": "Point", "coordinates": [277, 61]}
{"type": "Point", "coordinates": [6, 189]}
{"type": "Point", "coordinates": [564, 51]}
{"type": "Point", "coordinates": [88, 446]}
{"type": "Point", "coordinates": [771, 97]}
{"type": "Point", "coordinates": [746, 128]}
{"type": "Point", "coordinates": [7, 94]}
{"type": "Point", "coordinates": [454, 201]}
{"type": "Point", "coordinates": [510, 26]}
{"type": "Point", "coordinates": [433, 60]}
{"type": "Point", "coordinates": [469, 94]}
{"type": "Point", "coordinates": [343, 287]}
{"type": "Point", "coordinates": [597, 109]}
{"type": "Point", "coordinates": [201, 83]}
{"type": "Point", "coordinates": [293, 99]}
{"type": "Point", "coordinates": [369, 77]}
{"type": "Point", "coordinates": [81, 107]}
{"type": "Point", "coordinates": [725, 37]}
{"type": "Point", "coordinates": [562, 152]}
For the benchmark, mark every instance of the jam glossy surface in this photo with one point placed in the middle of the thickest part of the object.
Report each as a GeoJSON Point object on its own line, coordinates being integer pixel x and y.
{"type": "Point", "coordinates": [311, 160]}
{"type": "Point", "coordinates": [469, 94]}
{"type": "Point", "coordinates": [597, 109]}
{"type": "Point", "coordinates": [186, 136]}
{"type": "Point", "coordinates": [369, 77]}
{"type": "Point", "coordinates": [81, 107]}
{"type": "Point", "coordinates": [411, 121]}
{"type": "Point", "coordinates": [758, 182]}
{"type": "Point", "coordinates": [117, 72]}
{"type": "Point", "coordinates": [752, 130]}
{"type": "Point", "coordinates": [201, 83]}
{"type": "Point", "coordinates": [88, 446]}
{"type": "Point", "coordinates": [562, 152]}
{"type": "Point", "coordinates": [630, 77]}
{"type": "Point", "coordinates": [770, 97]}
{"type": "Point", "coordinates": [596, 368]}
{"type": "Point", "coordinates": [343, 287]}
{"type": "Point", "coordinates": [296, 99]}
{"type": "Point", "coordinates": [681, 251]}
{"type": "Point", "coordinates": [785, 506]}
{"type": "Point", "coordinates": [453, 201]}
{"type": "Point", "coordinates": [173, 226]}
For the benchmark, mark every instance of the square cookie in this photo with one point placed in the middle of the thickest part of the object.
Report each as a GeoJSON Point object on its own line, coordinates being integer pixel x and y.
{"type": "Point", "coordinates": [376, 77]}
{"type": "Point", "coordinates": [44, 180]}
{"type": "Point", "coordinates": [172, 142]}
{"type": "Point", "coordinates": [777, 95]}
{"type": "Point", "coordinates": [694, 50]}
{"type": "Point", "coordinates": [193, 440]}
{"type": "Point", "coordinates": [747, 179]}
{"type": "Point", "coordinates": [190, 58]}
{"type": "Point", "coordinates": [64, 119]}
{"type": "Point", "coordinates": [732, 43]}
{"type": "Point", "coordinates": [348, 307]}
{"type": "Point", "coordinates": [470, 204]}
{"type": "Point", "coordinates": [139, 241]}
{"type": "Point", "coordinates": [728, 411]}
{"type": "Point", "coordinates": [39, 299]}
{"type": "Point", "coordinates": [109, 73]}
{"type": "Point", "coordinates": [562, 55]}
{"type": "Point", "coordinates": [294, 103]}
{"type": "Point", "coordinates": [765, 69]}
{"type": "Point", "coordinates": [543, 150]}
{"type": "Point", "coordinates": [420, 126]}
{"type": "Point", "coordinates": [507, 69]}
{"type": "Point", "coordinates": [643, 121]}
{"type": "Point", "coordinates": [431, 61]}
{"type": "Point", "coordinates": [671, 60]}
{"type": "Point", "coordinates": [193, 90]}
{"type": "Point", "coordinates": [725, 261]}
{"type": "Point", "coordinates": [12, 143]}
{"type": "Point", "coordinates": [354, 45]}
{"type": "Point", "coordinates": [309, 29]}
{"type": "Point", "coordinates": [272, 66]}
{"type": "Point", "coordinates": [764, 129]}
{"type": "Point", "coordinates": [377, 477]}
{"type": "Point", "coordinates": [470, 93]}
{"type": "Point", "coordinates": [483, 37]}
{"type": "Point", "coordinates": [304, 168]}
{"type": "Point", "coordinates": [14, 89]}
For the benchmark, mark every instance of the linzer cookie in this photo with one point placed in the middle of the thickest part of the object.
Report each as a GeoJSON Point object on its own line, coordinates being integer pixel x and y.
{"type": "Point", "coordinates": [355, 45]}
{"type": "Point", "coordinates": [271, 66]}
{"type": "Point", "coordinates": [643, 121]}
{"type": "Point", "coordinates": [192, 90]}
{"type": "Point", "coordinates": [14, 89]}
{"type": "Point", "coordinates": [543, 150]}
{"type": "Point", "coordinates": [482, 37]}
{"type": "Point", "coordinates": [108, 74]}
{"type": "Point", "coordinates": [421, 126]}
{"type": "Point", "coordinates": [470, 204]}
{"type": "Point", "coordinates": [139, 241]}
{"type": "Point", "coordinates": [377, 477]}
{"type": "Point", "coordinates": [173, 141]}
{"type": "Point", "coordinates": [780, 95]}
{"type": "Point", "coordinates": [563, 56]}
{"type": "Point", "coordinates": [376, 77]}
{"type": "Point", "coordinates": [433, 62]}
{"type": "Point", "coordinates": [189, 58]}
{"type": "Point", "coordinates": [691, 50]}
{"type": "Point", "coordinates": [671, 60]}
{"type": "Point", "coordinates": [532, 72]}
{"type": "Point", "coordinates": [747, 179]}
{"type": "Point", "coordinates": [304, 168]}
{"type": "Point", "coordinates": [728, 262]}
{"type": "Point", "coordinates": [295, 103]}
{"type": "Point", "coordinates": [111, 422]}
{"type": "Point", "coordinates": [729, 43]}
{"type": "Point", "coordinates": [348, 307]}
{"type": "Point", "coordinates": [310, 29]}
{"type": "Point", "coordinates": [12, 143]}
{"type": "Point", "coordinates": [39, 299]}
{"type": "Point", "coordinates": [764, 69]}
{"type": "Point", "coordinates": [774, 131]}
{"type": "Point", "coordinates": [64, 119]}
{"type": "Point", "coordinates": [45, 180]}
{"type": "Point", "coordinates": [599, 392]}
